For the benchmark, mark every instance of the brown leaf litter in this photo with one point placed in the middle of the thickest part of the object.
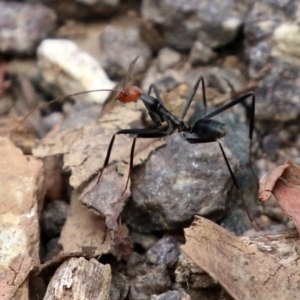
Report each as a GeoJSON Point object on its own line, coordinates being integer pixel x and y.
{"type": "Point", "coordinates": [284, 183]}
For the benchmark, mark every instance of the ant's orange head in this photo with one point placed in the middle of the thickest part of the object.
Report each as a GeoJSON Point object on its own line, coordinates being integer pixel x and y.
{"type": "Point", "coordinates": [129, 94]}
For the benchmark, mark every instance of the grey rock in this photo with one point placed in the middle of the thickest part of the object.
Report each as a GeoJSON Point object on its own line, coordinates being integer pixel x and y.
{"type": "Point", "coordinates": [270, 145]}
{"type": "Point", "coordinates": [23, 26]}
{"type": "Point", "coordinates": [144, 240]}
{"type": "Point", "coordinates": [172, 295]}
{"type": "Point", "coordinates": [277, 99]}
{"type": "Point", "coordinates": [215, 23]}
{"type": "Point", "coordinates": [115, 60]}
{"type": "Point", "coordinates": [201, 54]}
{"type": "Point", "coordinates": [271, 35]}
{"type": "Point", "coordinates": [81, 9]}
{"type": "Point", "coordinates": [165, 251]}
{"type": "Point", "coordinates": [237, 140]}
{"type": "Point", "coordinates": [53, 217]}
{"type": "Point", "coordinates": [177, 182]}
{"type": "Point", "coordinates": [156, 281]}
{"type": "Point", "coordinates": [167, 58]}
{"type": "Point", "coordinates": [136, 265]}
{"type": "Point", "coordinates": [219, 78]}
{"type": "Point", "coordinates": [119, 286]}
{"type": "Point", "coordinates": [53, 249]}
{"type": "Point", "coordinates": [165, 81]}
{"type": "Point", "coordinates": [187, 272]}
{"type": "Point", "coordinates": [80, 114]}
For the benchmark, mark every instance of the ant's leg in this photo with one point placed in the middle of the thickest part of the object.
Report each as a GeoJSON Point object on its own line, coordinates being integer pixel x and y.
{"type": "Point", "coordinates": [130, 164]}
{"type": "Point", "coordinates": [237, 186]}
{"type": "Point", "coordinates": [192, 95]}
{"type": "Point", "coordinates": [252, 113]}
{"type": "Point", "coordinates": [107, 157]}
{"type": "Point", "coordinates": [140, 133]}
{"type": "Point", "coordinates": [233, 103]}
{"type": "Point", "coordinates": [156, 92]}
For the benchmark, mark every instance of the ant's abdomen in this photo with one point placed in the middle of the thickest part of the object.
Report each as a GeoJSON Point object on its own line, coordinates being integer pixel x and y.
{"type": "Point", "coordinates": [205, 131]}
{"type": "Point", "coordinates": [210, 129]}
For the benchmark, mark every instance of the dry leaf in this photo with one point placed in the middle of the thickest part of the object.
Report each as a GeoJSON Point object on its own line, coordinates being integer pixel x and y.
{"type": "Point", "coordinates": [284, 183]}
{"type": "Point", "coordinates": [241, 269]}
{"type": "Point", "coordinates": [106, 197]}
{"type": "Point", "coordinates": [83, 228]}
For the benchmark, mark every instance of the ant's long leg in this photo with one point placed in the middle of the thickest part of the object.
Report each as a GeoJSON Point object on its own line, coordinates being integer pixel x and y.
{"type": "Point", "coordinates": [252, 112]}
{"type": "Point", "coordinates": [107, 157]}
{"type": "Point", "coordinates": [130, 164]}
{"type": "Point", "coordinates": [156, 92]}
{"type": "Point", "coordinates": [237, 186]}
{"type": "Point", "coordinates": [140, 133]}
{"type": "Point", "coordinates": [192, 95]}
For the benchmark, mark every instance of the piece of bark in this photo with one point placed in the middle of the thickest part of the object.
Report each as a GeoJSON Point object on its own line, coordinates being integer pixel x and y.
{"type": "Point", "coordinates": [22, 194]}
{"type": "Point", "coordinates": [244, 271]}
{"type": "Point", "coordinates": [15, 129]}
{"type": "Point", "coordinates": [78, 278]}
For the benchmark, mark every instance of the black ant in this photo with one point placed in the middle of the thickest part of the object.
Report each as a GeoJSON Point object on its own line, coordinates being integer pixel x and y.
{"type": "Point", "coordinates": [204, 130]}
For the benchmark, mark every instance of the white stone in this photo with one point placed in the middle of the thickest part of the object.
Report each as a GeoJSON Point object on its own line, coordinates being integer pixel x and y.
{"type": "Point", "coordinates": [65, 66]}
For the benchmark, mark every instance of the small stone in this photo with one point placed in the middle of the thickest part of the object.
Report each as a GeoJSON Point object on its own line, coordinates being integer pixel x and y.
{"type": "Point", "coordinates": [201, 54]}
{"type": "Point", "coordinates": [117, 60]}
{"type": "Point", "coordinates": [53, 249]}
{"type": "Point", "coordinates": [270, 145]}
{"type": "Point", "coordinates": [23, 26]}
{"type": "Point", "coordinates": [54, 217]}
{"type": "Point", "coordinates": [155, 281]}
{"type": "Point", "coordinates": [187, 272]}
{"type": "Point", "coordinates": [215, 23]}
{"type": "Point", "coordinates": [136, 265]}
{"type": "Point", "coordinates": [167, 58]}
{"type": "Point", "coordinates": [65, 66]}
{"type": "Point", "coordinates": [119, 287]}
{"type": "Point", "coordinates": [83, 9]}
{"type": "Point", "coordinates": [172, 295]}
{"type": "Point", "coordinates": [165, 251]}
{"type": "Point", "coordinates": [144, 240]}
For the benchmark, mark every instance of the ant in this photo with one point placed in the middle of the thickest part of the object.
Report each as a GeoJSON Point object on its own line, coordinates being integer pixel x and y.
{"type": "Point", "coordinates": [204, 130]}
